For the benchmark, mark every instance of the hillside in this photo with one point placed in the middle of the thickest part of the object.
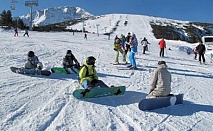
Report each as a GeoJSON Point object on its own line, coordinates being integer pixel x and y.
{"type": "Point", "coordinates": [46, 104]}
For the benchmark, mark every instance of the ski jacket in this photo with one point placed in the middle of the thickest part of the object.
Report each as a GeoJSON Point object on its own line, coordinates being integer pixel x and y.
{"type": "Point", "coordinates": [87, 72]}
{"type": "Point", "coordinates": [160, 81]}
{"type": "Point", "coordinates": [133, 43]}
{"type": "Point", "coordinates": [162, 43]}
{"type": "Point", "coordinates": [144, 42]}
{"type": "Point", "coordinates": [68, 61]}
{"type": "Point", "coordinates": [34, 61]}
{"type": "Point", "coordinates": [117, 44]}
{"type": "Point", "coordinates": [201, 48]}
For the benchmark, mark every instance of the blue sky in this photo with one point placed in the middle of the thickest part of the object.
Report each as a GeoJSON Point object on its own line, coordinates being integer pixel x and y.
{"type": "Point", "coordinates": [189, 10]}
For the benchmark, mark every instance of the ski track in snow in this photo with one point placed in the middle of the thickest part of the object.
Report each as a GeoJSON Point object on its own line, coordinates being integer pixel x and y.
{"type": "Point", "coordinates": [46, 103]}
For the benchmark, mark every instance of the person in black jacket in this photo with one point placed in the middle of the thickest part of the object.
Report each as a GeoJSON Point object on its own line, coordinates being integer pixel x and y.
{"type": "Point", "coordinates": [201, 51]}
{"type": "Point", "coordinates": [68, 62]}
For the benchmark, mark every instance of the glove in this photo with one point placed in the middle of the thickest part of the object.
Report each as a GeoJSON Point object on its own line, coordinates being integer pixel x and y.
{"type": "Point", "coordinates": [115, 49]}
{"type": "Point", "coordinates": [94, 81]}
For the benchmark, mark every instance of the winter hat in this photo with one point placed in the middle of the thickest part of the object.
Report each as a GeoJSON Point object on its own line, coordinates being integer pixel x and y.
{"type": "Point", "coordinates": [30, 54]}
{"type": "Point", "coordinates": [69, 52]}
{"type": "Point", "coordinates": [161, 62]}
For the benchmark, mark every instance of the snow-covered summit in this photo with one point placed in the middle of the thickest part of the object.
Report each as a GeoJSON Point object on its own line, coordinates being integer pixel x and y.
{"type": "Point", "coordinates": [55, 15]}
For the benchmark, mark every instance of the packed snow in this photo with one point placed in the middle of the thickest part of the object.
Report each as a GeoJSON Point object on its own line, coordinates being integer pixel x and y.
{"type": "Point", "coordinates": [37, 103]}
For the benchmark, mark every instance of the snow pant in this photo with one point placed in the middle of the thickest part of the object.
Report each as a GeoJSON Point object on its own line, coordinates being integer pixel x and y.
{"type": "Point", "coordinates": [117, 55]}
{"type": "Point", "coordinates": [201, 55]}
{"type": "Point", "coordinates": [161, 52]}
{"type": "Point", "coordinates": [26, 34]}
{"type": "Point", "coordinates": [195, 56]}
{"type": "Point", "coordinates": [86, 84]}
{"type": "Point", "coordinates": [132, 59]}
{"type": "Point", "coordinates": [144, 49]}
{"type": "Point", "coordinates": [155, 94]}
{"type": "Point", "coordinates": [28, 65]}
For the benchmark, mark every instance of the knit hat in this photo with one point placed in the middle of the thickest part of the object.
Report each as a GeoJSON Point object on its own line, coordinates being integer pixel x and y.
{"type": "Point", "coordinates": [161, 62]}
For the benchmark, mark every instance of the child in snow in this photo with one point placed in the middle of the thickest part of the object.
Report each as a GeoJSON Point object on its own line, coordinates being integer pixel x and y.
{"type": "Point", "coordinates": [144, 43]}
{"type": "Point", "coordinates": [33, 61]}
{"type": "Point", "coordinates": [68, 62]}
{"type": "Point", "coordinates": [88, 76]}
{"type": "Point", "coordinates": [160, 81]}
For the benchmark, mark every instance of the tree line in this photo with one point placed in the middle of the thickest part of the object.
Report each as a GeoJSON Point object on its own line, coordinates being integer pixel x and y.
{"type": "Point", "coordinates": [8, 22]}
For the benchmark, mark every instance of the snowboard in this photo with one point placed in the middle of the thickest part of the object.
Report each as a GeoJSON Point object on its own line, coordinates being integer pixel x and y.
{"type": "Point", "coordinates": [126, 68]}
{"type": "Point", "coordinates": [61, 70]}
{"type": "Point", "coordinates": [99, 92]}
{"type": "Point", "coordinates": [30, 71]}
{"type": "Point", "coordinates": [160, 102]}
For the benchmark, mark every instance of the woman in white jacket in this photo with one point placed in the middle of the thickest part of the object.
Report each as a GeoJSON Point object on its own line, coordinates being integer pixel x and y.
{"type": "Point", "coordinates": [160, 81]}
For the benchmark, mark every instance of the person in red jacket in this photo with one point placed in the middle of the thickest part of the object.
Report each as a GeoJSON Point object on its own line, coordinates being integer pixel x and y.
{"type": "Point", "coordinates": [162, 45]}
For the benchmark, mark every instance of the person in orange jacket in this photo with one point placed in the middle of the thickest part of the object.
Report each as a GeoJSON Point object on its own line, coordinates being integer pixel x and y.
{"type": "Point", "coordinates": [162, 45]}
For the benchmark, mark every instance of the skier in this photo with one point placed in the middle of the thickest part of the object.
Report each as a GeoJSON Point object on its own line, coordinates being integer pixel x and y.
{"type": "Point", "coordinates": [162, 45]}
{"type": "Point", "coordinates": [195, 52]}
{"type": "Point", "coordinates": [33, 62]}
{"type": "Point", "coordinates": [85, 36]}
{"type": "Point", "coordinates": [127, 42]}
{"type": "Point", "coordinates": [133, 45]}
{"type": "Point", "coordinates": [201, 51]}
{"type": "Point", "coordinates": [160, 81]}
{"type": "Point", "coordinates": [68, 63]}
{"type": "Point", "coordinates": [144, 43]}
{"type": "Point", "coordinates": [88, 76]}
{"type": "Point", "coordinates": [16, 32]}
{"type": "Point", "coordinates": [26, 32]}
{"type": "Point", "coordinates": [118, 49]}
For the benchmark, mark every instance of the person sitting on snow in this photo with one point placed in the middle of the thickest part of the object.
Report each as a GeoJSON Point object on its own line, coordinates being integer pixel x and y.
{"type": "Point", "coordinates": [33, 61]}
{"type": "Point", "coordinates": [160, 81]}
{"type": "Point", "coordinates": [68, 62]}
{"type": "Point", "coordinates": [88, 76]}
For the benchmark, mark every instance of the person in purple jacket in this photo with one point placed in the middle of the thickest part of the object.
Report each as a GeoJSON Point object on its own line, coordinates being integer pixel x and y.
{"type": "Point", "coordinates": [33, 61]}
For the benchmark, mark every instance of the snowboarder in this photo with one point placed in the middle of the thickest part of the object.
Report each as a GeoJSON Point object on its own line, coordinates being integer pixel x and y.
{"type": "Point", "coordinates": [201, 51]}
{"type": "Point", "coordinates": [118, 49]}
{"type": "Point", "coordinates": [16, 32]}
{"type": "Point", "coordinates": [144, 43]}
{"type": "Point", "coordinates": [88, 75]}
{"type": "Point", "coordinates": [162, 45]}
{"type": "Point", "coordinates": [26, 32]}
{"type": "Point", "coordinates": [160, 81]}
{"type": "Point", "coordinates": [134, 48]}
{"type": "Point", "coordinates": [33, 62]}
{"type": "Point", "coordinates": [68, 62]}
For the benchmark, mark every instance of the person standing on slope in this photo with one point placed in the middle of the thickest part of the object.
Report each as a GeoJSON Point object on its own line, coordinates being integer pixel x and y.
{"type": "Point", "coordinates": [127, 43]}
{"type": "Point", "coordinates": [16, 32]}
{"type": "Point", "coordinates": [33, 61]}
{"type": "Point", "coordinates": [144, 43]}
{"type": "Point", "coordinates": [134, 48]}
{"type": "Point", "coordinates": [162, 45]}
{"type": "Point", "coordinates": [118, 49]}
{"type": "Point", "coordinates": [160, 81]}
{"type": "Point", "coordinates": [201, 51]}
{"type": "Point", "coordinates": [68, 63]}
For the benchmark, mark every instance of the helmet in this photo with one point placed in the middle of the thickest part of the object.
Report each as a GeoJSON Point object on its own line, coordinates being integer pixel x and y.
{"type": "Point", "coordinates": [90, 60]}
{"type": "Point", "coordinates": [69, 52]}
{"type": "Point", "coordinates": [30, 54]}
